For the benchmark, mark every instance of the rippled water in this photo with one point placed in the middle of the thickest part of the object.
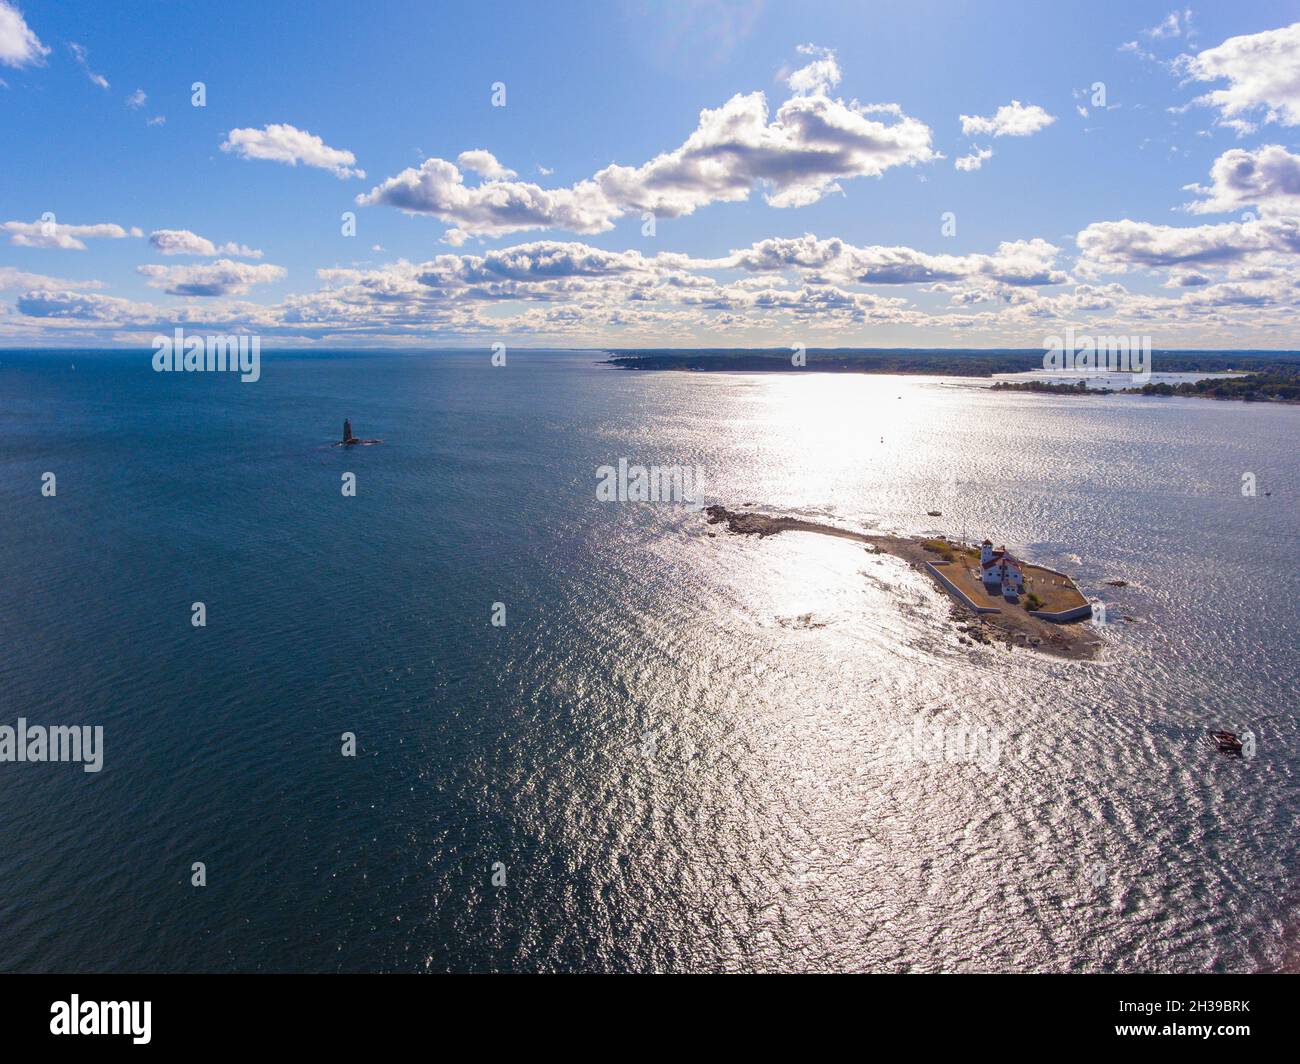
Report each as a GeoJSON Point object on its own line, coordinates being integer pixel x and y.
{"type": "Point", "coordinates": [688, 752]}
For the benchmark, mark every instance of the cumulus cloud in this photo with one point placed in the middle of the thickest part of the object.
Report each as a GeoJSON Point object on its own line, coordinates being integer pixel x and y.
{"type": "Point", "coordinates": [184, 242]}
{"type": "Point", "coordinates": [543, 260]}
{"type": "Point", "coordinates": [12, 279]}
{"type": "Point", "coordinates": [978, 157]}
{"type": "Point", "coordinates": [89, 314]}
{"type": "Point", "coordinates": [795, 157]}
{"type": "Point", "coordinates": [1267, 178]}
{"type": "Point", "coordinates": [220, 278]}
{"type": "Point", "coordinates": [19, 46]}
{"type": "Point", "coordinates": [181, 242]}
{"type": "Point", "coordinates": [1187, 279]}
{"type": "Point", "coordinates": [82, 57]}
{"type": "Point", "coordinates": [1021, 262]}
{"type": "Point", "coordinates": [1263, 75]}
{"type": "Point", "coordinates": [589, 284]}
{"type": "Point", "coordinates": [81, 306]}
{"type": "Point", "coordinates": [137, 99]}
{"type": "Point", "coordinates": [43, 234]}
{"type": "Point", "coordinates": [1244, 262]}
{"type": "Point", "coordinates": [819, 76]}
{"type": "Point", "coordinates": [571, 292]}
{"type": "Point", "coordinates": [798, 156]}
{"type": "Point", "coordinates": [1011, 120]}
{"type": "Point", "coordinates": [438, 187]}
{"type": "Point", "coordinates": [485, 164]}
{"type": "Point", "coordinates": [1122, 245]}
{"type": "Point", "coordinates": [282, 143]}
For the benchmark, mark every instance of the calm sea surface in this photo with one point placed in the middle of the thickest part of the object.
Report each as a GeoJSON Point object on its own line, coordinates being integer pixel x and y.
{"type": "Point", "coordinates": [682, 752]}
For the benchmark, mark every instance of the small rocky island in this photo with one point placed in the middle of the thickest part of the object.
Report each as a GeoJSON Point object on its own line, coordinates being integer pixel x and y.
{"type": "Point", "coordinates": [997, 598]}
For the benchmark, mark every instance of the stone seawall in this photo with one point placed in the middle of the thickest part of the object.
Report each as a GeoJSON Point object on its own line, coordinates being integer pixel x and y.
{"type": "Point", "coordinates": [1076, 614]}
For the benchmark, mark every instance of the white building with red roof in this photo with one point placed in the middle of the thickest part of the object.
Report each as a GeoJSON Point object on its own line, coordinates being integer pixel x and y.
{"type": "Point", "coordinates": [998, 568]}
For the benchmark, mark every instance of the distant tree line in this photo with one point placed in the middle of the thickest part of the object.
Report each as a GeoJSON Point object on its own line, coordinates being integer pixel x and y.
{"type": "Point", "coordinates": [1078, 388]}
{"type": "Point", "coordinates": [1277, 385]}
{"type": "Point", "coordinates": [1268, 368]}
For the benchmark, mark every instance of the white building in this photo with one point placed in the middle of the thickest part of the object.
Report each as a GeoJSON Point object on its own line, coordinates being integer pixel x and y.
{"type": "Point", "coordinates": [999, 569]}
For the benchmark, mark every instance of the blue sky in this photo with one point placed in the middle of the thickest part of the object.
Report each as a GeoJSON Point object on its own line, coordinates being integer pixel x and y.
{"type": "Point", "coordinates": [808, 207]}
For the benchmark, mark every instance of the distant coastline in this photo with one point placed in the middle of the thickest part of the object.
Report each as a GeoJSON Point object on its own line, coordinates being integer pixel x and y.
{"type": "Point", "coordinates": [1248, 387]}
{"type": "Point", "coordinates": [1259, 376]}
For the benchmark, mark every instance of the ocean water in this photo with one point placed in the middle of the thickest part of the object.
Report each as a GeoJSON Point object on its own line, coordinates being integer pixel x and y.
{"type": "Point", "coordinates": [683, 752]}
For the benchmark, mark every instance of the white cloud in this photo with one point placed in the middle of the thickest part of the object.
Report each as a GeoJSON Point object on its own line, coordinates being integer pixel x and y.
{"type": "Point", "coordinates": [136, 99]}
{"type": "Point", "coordinates": [78, 306]}
{"type": "Point", "coordinates": [1263, 72]}
{"type": "Point", "coordinates": [1011, 120]}
{"type": "Point", "coordinates": [184, 242]}
{"type": "Point", "coordinates": [1021, 262]}
{"type": "Point", "coordinates": [42, 234]}
{"type": "Point", "coordinates": [220, 278]}
{"type": "Point", "coordinates": [975, 160]}
{"type": "Point", "coordinates": [485, 164]}
{"type": "Point", "coordinates": [1267, 178]}
{"type": "Point", "coordinates": [12, 279]}
{"type": "Point", "coordinates": [83, 60]}
{"type": "Point", "coordinates": [1133, 48]}
{"type": "Point", "coordinates": [1123, 245]}
{"type": "Point", "coordinates": [283, 143]}
{"type": "Point", "coordinates": [19, 46]}
{"type": "Point", "coordinates": [795, 157]}
{"type": "Point", "coordinates": [438, 187]}
{"type": "Point", "coordinates": [573, 293]}
{"type": "Point", "coordinates": [819, 76]}
{"type": "Point", "coordinates": [1174, 24]}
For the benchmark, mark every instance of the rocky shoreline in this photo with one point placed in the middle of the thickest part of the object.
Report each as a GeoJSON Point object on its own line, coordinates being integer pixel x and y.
{"type": "Point", "coordinates": [1013, 626]}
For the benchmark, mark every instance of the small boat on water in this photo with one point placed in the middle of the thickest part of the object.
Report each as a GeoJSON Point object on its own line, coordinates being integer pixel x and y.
{"type": "Point", "coordinates": [1225, 741]}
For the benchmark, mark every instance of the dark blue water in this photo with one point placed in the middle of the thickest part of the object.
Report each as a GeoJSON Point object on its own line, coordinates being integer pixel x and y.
{"type": "Point", "coordinates": [675, 771]}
